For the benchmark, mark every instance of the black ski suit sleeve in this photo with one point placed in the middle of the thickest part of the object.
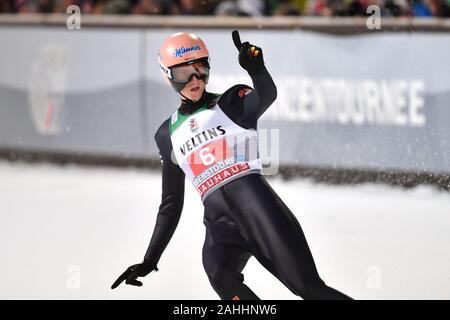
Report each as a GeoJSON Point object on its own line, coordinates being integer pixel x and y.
{"type": "Point", "coordinates": [172, 198]}
{"type": "Point", "coordinates": [245, 105]}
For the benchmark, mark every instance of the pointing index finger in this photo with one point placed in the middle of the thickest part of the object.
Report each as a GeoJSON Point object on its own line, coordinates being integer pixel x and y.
{"type": "Point", "coordinates": [122, 278]}
{"type": "Point", "coordinates": [237, 39]}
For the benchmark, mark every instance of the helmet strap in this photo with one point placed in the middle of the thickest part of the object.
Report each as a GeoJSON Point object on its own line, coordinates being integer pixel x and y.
{"type": "Point", "coordinates": [185, 98]}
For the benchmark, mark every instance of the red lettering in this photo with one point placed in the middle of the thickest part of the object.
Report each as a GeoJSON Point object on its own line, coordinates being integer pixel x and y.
{"type": "Point", "coordinates": [244, 166]}
{"type": "Point", "coordinates": [226, 173]}
{"type": "Point", "coordinates": [217, 178]}
{"type": "Point", "coordinates": [235, 169]}
{"type": "Point", "coordinates": [221, 176]}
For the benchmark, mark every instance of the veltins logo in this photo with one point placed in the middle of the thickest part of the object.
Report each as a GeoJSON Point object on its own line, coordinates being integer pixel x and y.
{"type": "Point", "coordinates": [179, 52]}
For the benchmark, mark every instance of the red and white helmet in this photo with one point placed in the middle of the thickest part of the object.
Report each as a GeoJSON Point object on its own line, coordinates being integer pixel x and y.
{"type": "Point", "coordinates": [179, 49]}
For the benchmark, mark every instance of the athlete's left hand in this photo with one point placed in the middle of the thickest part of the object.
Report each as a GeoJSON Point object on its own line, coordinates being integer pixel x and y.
{"type": "Point", "coordinates": [250, 56]}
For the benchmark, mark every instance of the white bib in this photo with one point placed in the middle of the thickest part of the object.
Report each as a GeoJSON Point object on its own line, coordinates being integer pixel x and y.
{"type": "Point", "coordinates": [212, 150]}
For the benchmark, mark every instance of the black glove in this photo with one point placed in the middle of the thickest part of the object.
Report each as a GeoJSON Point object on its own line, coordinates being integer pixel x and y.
{"type": "Point", "coordinates": [250, 56]}
{"type": "Point", "coordinates": [130, 275]}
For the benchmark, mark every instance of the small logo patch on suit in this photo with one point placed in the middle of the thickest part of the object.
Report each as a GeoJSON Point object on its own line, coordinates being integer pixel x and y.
{"type": "Point", "coordinates": [193, 125]}
{"type": "Point", "coordinates": [174, 117]}
{"type": "Point", "coordinates": [244, 92]}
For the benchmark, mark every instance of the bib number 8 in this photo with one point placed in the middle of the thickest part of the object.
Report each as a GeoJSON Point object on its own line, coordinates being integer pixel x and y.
{"type": "Point", "coordinates": [206, 156]}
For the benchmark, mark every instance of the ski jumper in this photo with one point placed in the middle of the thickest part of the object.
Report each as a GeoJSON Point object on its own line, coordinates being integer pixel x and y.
{"type": "Point", "coordinates": [213, 143]}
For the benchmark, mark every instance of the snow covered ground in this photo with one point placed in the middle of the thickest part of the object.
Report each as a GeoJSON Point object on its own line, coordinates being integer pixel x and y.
{"type": "Point", "coordinates": [68, 232]}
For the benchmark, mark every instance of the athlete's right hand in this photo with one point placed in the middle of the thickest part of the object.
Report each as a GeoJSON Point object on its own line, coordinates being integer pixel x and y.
{"type": "Point", "coordinates": [132, 273]}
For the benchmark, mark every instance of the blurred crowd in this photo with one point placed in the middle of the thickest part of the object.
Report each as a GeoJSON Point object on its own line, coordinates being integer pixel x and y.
{"type": "Point", "coordinates": [396, 8]}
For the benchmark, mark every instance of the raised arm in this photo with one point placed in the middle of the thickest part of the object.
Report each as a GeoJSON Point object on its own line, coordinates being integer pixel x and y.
{"type": "Point", "coordinates": [259, 100]}
{"type": "Point", "coordinates": [241, 103]}
{"type": "Point", "coordinates": [265, 92]}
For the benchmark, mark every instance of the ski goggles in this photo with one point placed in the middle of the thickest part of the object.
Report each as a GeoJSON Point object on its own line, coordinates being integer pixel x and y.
{"type": "Point", "coordinates": [182, 74]}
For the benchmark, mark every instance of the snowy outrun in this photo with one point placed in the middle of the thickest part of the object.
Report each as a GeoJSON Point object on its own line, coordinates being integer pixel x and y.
{"type": "Point", "coordinates": [67, 232]}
